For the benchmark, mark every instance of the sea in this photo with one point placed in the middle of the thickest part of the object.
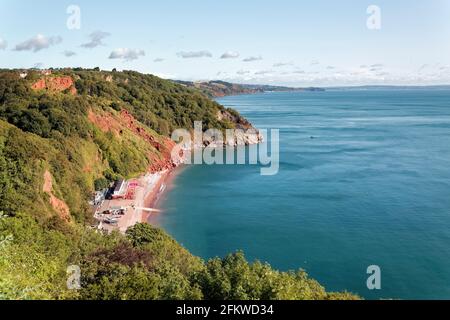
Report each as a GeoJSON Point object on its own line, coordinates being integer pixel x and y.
{"type": "Point", "coordinates": [363, 181]}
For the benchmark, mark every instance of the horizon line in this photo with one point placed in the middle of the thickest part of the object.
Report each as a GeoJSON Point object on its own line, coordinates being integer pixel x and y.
{"type": "Point", "coordinates": [243, 83]}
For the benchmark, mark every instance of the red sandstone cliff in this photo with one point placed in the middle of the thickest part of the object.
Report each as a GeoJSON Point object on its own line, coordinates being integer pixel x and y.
{"type": "Point", "coordinates": [116, 124]}
{"type": "Point", "coordinates": [55, 84]}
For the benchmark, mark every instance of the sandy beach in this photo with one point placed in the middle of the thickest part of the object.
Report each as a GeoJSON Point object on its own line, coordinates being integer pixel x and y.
{"type": "Point", "coordinates": [146, 191]}
{"type": "Point", "coordinates": [158, 187]}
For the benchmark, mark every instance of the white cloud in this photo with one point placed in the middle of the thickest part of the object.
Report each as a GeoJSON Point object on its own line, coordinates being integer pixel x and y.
{"type": "Point", "coordinates": [376, 67]}
{"type": "Point", "coordinates": [358, 75]}
{"type": "Point", "coordinates": [96, 39]}
{"type": "Point", "coordinates": [263, 72]}
{"type": "Point", "coordinates": [38, 43]}
{"type": "Point", "coordinates": [194, 54]}
{"type": "Point", "coordinates": [223, 75]}
{"type": "Point", "coordinates": [68, 53]}
{"type": "Point", "coordinates": [230, 55]}
{"type": "Point", "coordinates": [283, 64]}
{"type": "Point", "coordinates": [422, 68]}
{"type": "Point", "coordinates": [242, 72]}
{"type": "Point", "coordinates": [126, 54]}
{"type": "Point", "coordinates": [3, 44]}
{"type": "Point", "coordinates": [253, 58]}
{"type": "Point", "coordinates": [158, 60]}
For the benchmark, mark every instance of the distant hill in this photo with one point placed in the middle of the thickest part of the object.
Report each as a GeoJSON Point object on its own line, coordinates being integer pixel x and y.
{"type": "Point", "coordinates": [218, 88]}
{"type": "Point", "coordinates": [389, 87]}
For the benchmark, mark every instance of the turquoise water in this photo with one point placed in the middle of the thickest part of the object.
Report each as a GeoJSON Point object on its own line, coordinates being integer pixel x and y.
{"type": "Point", "coordinates": [371, 188]}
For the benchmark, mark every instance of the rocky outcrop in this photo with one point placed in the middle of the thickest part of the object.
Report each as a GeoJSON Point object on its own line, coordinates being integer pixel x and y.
{"type": "Point", "coordinates": [55, 84]}
{"type": "Point", "coordinates": [245, 133]}
{"type": "Point", "coordinates": [245, 137]}
{"type": "Point", "coordinates": [239, 138]}
{"type": "Point", "coordinates": [234, 117]}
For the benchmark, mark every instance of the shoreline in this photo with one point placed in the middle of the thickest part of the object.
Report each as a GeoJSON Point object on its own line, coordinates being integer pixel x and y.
{"type": "Point", "coordinates": [150, 188]}
{"type": "Point", "coordinates": [151, 200]}
{"type": "Point", "coordinates": [166, 176]}
{"type": "Point", "coordinates": [147, 191]}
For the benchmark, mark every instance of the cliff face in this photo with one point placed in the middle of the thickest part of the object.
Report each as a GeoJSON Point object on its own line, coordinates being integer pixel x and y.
{"type": "Point", "coordinates": [123, 124]}
{"type": "Point", "coordinates": [163, 145]}
{"type": "Point", "coordinates": [58, 205]}
{"type": "Point", "coordinates": [55, 84]}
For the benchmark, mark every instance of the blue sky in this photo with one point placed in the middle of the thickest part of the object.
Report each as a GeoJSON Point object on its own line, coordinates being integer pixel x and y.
{"type": "Point", "coordinates": [287, 42]}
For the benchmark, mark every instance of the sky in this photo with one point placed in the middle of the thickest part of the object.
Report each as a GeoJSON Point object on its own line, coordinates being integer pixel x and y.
{"type": "Point", "coordinates": [282, 42]}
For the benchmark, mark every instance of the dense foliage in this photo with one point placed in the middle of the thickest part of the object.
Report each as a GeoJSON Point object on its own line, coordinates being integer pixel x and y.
{"type": "Point", "coordinates": [43, 131]}
{"type": "Point", "coordinates": [160, 104]}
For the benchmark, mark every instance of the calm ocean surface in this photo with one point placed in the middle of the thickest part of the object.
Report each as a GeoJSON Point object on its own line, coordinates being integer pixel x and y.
{"type": "Point", "coordinates": [371, 188]}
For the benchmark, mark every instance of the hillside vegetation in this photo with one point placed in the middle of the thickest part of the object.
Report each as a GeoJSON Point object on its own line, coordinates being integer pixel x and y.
{"type": "Point", "coordinates": [64, 135]}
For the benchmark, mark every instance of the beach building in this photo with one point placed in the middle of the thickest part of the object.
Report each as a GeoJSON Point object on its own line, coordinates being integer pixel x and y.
{"type": "Point", "coordinates": [119, 189]}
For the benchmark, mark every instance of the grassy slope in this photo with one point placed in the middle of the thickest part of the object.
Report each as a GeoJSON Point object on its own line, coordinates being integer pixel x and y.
{"type": "Point", "coordinates": [42, 131]}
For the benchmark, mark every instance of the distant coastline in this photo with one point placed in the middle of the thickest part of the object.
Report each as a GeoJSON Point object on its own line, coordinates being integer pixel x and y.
{"type": "Point", "coordinates": [219, 89]}
{"type": "Point", "coordinates": [388, 87]}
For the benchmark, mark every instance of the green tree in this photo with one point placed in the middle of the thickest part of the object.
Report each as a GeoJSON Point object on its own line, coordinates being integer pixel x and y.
{"type": "Point", "coordinates": [143, 233]}
{"type": "Point", "coordinates": [101, 183]}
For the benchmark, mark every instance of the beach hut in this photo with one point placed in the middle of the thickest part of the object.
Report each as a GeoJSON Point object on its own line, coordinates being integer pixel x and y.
{"type": "Point", "coordinates": [119, 189]}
